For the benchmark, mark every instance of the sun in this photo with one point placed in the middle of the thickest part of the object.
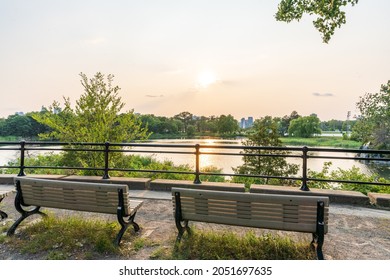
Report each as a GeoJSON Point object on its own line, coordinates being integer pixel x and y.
{"type": "Point", "coordinates": [206, 78]}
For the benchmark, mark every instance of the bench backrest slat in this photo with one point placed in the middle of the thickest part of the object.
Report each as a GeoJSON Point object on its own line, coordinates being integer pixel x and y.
{"type": "Point", "coordinates": [90, 197]}
{"type": "Point", "coordinates": [284, 212]}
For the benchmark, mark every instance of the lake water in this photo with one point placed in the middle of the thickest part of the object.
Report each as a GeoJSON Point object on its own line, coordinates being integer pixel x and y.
{"type": "Point", "coordinates": [225, 162]}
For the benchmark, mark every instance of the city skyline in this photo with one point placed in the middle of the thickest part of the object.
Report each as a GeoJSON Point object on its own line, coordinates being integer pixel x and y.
{"type": "Point", "coordinates": [204, 57]}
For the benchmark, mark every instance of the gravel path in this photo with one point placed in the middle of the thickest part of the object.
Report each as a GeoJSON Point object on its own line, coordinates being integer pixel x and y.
{"type": "Point", "coordinates": [355, 233]}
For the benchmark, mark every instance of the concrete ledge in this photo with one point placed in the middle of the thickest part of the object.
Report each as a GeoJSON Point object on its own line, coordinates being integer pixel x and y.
{"type": "Point", "coordinates": [9, 178]}
{"type": "Point", "coordinates": [44, 176]}
{"type": "Point", "coordinates": [335, 196]}
{"type": "Point", "coordinates": [380, 199]}
{"type": "Point", "coordinates": [133, 183]}
{"type": "Point", "coordinates": [166, 185]}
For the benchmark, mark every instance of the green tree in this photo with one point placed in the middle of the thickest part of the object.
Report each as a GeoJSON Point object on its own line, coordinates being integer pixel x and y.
{"type": "Point", "coordinates": [227, 124]}
{"type": "Point", "coordinates": [21, 126]}
{"type": "Point", "coordinates": [284, 123]}
{"type": "Point", "coordinates": [374, 123]}
{"type": "Point", "coordinates": [186, 118]}
{"type": "Point", "coordinates": [191, 131]}
{"type": "Point", "coordinates": [329, 13]}
{"type": "Point", "coordinates": [16, 125]}
{"type": "Point", "coordinates": [305, 127]}
{"type": "Point", "coordinates": [264, 134]}
{"type": "Point", "coordinates": [95, 118]}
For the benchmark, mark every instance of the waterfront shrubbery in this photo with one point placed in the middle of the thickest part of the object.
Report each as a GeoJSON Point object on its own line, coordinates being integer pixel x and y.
{"type": "Point", "coordinates": [352, 174]}
{"type": "Point", "coordinates": [136, 166]}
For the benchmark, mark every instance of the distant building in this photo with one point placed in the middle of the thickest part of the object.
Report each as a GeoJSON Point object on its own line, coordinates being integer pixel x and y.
{"type": "Point", "coordinates": [246, 123]}
{"type": "Point", "coordinates": [242, 123]}
{"type": "Point", "coordinates": [250, 122]}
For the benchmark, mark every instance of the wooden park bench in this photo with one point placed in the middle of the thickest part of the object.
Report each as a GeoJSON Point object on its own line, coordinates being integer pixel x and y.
{"type": "Point", "coordinates": [269, 211]}
{"type": "Point", "coordinates": [3, 193]}
{"type": "Point", "coordinates": [78, 196]}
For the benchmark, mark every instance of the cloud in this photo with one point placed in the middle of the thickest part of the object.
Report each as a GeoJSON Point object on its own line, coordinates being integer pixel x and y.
{"type": "Point", "coordinates": [154, 96]}
{"type": "Point", "coordinates": [327, 94]}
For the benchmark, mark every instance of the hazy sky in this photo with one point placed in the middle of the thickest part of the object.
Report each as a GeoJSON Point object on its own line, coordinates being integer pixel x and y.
{"type": "Point", "coordinates": [208, 57]}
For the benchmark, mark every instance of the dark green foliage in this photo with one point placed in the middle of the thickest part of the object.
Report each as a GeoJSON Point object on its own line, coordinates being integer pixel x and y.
{"type": "Point", "coordinates": [329, 13]}
{"type": "Point", "coordinates": [373, 125]}
{"type": "Point", "coordinates": [284, 123]}
{"type": "Point", "coordinates": [305, 127]}
{"type": "Point", "coordinates": [22, 126]}
{"type": "Point", "coordinates": [227, 124]}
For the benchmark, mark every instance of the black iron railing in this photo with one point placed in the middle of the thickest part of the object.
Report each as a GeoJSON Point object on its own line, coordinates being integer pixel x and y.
{"type": "Point", "coordinates": [197, 150]}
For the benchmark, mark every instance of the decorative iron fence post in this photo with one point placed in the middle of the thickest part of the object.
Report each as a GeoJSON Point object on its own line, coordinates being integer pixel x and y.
{"type": "Point", "coordinates": [197, 178]}
{"type": "Point", "coordinates": [22, 149]}
{"type": "Point", "coordinates": [106, 151]}
{"type": "Point", "coordinates": [304, 186]}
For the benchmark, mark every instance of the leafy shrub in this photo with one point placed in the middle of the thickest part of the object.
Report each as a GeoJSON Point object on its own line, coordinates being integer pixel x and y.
{"type": "Point", "coordinates": [352, 174]}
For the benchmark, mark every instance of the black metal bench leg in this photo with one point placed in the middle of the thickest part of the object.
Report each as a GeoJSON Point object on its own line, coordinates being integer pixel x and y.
{"type": "Point", "coordinates": [19, 203]}
{"type": "Point", "coordinates": [317, 243]}
{"type": "Point", "coordinates": [182, 229]}
{"type": "Point", "coordinates": [124, 225]}
{"type": "Point", "coordinates": [179, 219]}
{"type": "Point", "coordinates": [25, 214]}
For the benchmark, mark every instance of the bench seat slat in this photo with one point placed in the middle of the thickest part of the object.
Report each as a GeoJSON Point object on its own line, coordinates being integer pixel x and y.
{"type": "Point", "coordinates": [262, 211]}
{"type": "Point", "coordinates": [257, 223]}
{"type": "Point", "coordinates": [233, 202]}
{"type": "Point", "coordinates": [251, 215]}
{"type": "Point", "coordinates": [60, 197]}
{"type": "Point", "coordinates": [70, 184]}
{"type": "Point", "coordinates": [40, 190]}
{"type": "Point", "coordinates": [267, 198]}
{"type": "Point", "coordinates": [91, 199]}
{"type": "Point", "coordinates": [251, 208]}
{"type": "Point", "coordinates": [107, 208]}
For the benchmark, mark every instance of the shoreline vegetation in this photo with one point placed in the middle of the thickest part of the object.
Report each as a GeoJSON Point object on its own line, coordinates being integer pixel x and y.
{"type": "Point", "coordinates": [318, 141]}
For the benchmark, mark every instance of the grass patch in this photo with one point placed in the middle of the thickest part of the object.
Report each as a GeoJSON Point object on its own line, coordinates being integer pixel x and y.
{"type": "Point", "coordinates": [71, 238]}
{"type": "Point", "coordinates": [335, 142]}
{"type": "Point", "coordinates": [76, 238]}
{"type": "Point", "coordinates": [161, 253]}
{"type": "Point", "coordinates": [4, 226]}
{"type": "Point", "coordinates": [225, 245]}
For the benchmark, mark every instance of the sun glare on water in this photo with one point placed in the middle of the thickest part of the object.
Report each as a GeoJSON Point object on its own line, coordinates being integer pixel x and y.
{"type": "Point", "coordinates": [206, 78]}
